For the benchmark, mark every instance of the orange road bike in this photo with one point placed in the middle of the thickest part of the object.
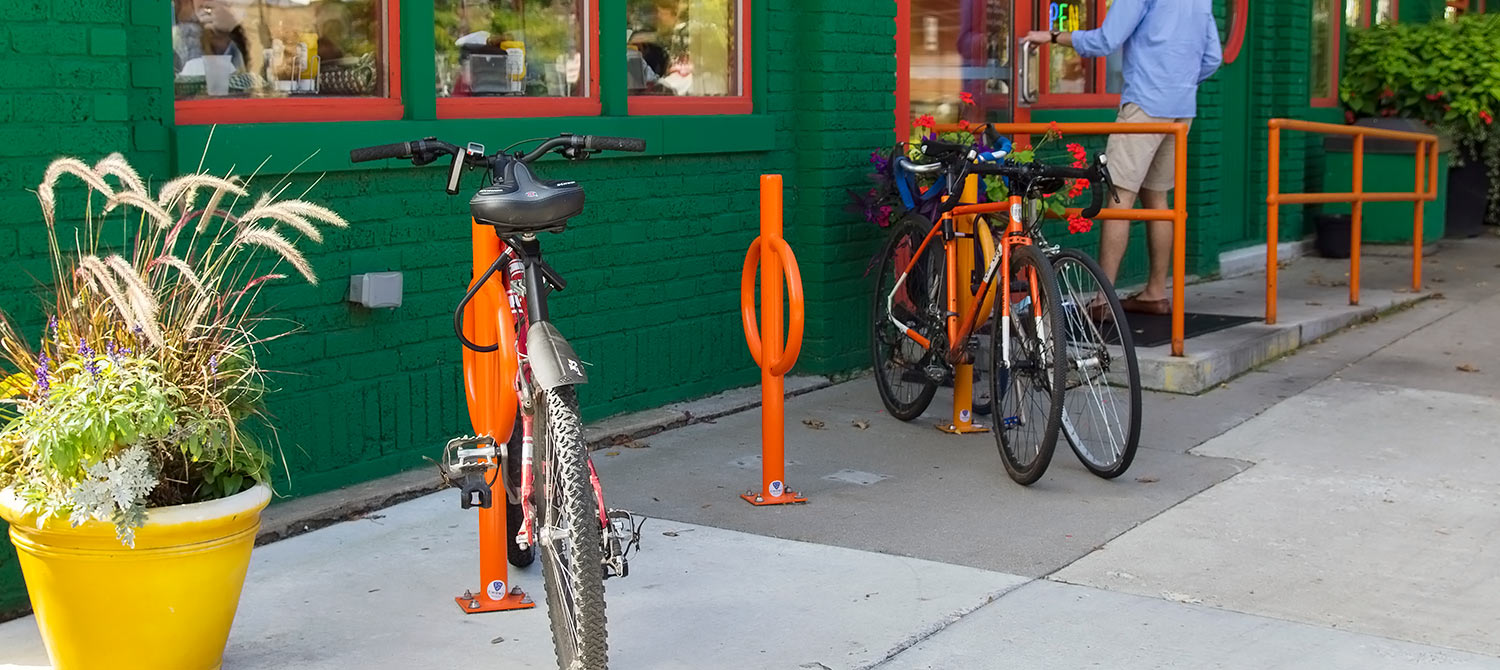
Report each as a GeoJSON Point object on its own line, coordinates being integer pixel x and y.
{"type": "Point", "coordinates": [581, 541]}
{"type": "Point", "coordinates": [918, 332]}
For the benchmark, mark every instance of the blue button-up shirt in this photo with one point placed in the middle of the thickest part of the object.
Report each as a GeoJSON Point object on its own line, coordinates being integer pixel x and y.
{"type": "Point", "coordinates": [1170, 46]}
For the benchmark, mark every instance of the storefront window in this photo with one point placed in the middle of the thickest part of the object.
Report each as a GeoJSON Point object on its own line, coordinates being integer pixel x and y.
{"type": "Point", "coordinates": [684, 48]}
{"type": "Point", "coordinates": [1354, 13]}
{"type": "Point", "coordinates": [1385, 11]}
{"type": "Point", "coordinates": [1324, 57]}
{"type": "Point", "coordinates": [278, 49]}
{"type": "Point", "coordinates": [534, 48]}
{"type": "Point", "coordinates": [961, 47]}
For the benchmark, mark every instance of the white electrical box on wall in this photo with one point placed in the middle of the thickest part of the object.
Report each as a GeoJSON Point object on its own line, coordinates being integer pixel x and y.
{"type": "Point", "coordinates": [376, 289]}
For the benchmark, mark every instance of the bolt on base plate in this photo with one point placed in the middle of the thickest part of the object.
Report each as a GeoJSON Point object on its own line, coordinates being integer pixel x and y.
{"type": "Point", "coordinates": [474, 603]}
{"type": "Point", "coordinates": [788, 497]}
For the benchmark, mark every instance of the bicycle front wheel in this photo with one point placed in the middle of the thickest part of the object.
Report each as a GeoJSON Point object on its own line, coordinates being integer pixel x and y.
{"type": "Point", "coordinates": [1026, 395]}
{"type": "Point", "coordinates": [572, 553]}
{"type": "Point", "coordinates": [1102, 408]}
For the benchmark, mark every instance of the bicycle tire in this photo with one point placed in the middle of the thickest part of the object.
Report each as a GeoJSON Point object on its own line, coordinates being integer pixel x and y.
{"type": "Point", "coordinates": [572, 555]}
{"type": "Point", "coordinates": [1091, 402]}
{"type": "Point", "coordinates": [1036, 341]}
{"type": "Point", "coordinates": [899, 364]}
{"type": "Point", "coordinates": [515, 515]}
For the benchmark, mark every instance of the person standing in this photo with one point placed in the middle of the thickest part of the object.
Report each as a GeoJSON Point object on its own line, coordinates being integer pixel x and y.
{"type": "Point", "coordinates": [1169, 48]}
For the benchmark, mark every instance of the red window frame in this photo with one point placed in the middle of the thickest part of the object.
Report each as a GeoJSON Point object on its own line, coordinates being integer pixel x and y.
{"type": "Point", "coordinates": [536, 106]}
{"type": "Point", "coordinates": [273, 110]}
{"type": "Point", "coordinates": [1336, 23]}
{"type": "Point", "coordinates": [1049, 100]}
{"type": "Point", "coordinates": [703, 104]}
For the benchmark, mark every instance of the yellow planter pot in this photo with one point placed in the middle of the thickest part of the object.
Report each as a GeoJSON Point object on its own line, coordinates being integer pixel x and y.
{"type": "Point", "coordinates": [166, 604]}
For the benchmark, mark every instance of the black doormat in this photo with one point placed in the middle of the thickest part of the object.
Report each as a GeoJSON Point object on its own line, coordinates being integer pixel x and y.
{"type": "Point", "coordinates": [1154, 330]}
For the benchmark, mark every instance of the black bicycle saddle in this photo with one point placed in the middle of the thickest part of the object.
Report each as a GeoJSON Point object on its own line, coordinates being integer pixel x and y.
{"type": "Point", "coordinates": [519, 203]}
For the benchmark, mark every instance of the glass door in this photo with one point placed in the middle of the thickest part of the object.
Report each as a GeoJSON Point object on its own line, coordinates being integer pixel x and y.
{"type": "Point", "coordinates": [956, 47]}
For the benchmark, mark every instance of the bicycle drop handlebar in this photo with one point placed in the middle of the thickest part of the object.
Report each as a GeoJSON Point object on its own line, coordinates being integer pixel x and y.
{"type": "Point", "coordinates": [965, 160]}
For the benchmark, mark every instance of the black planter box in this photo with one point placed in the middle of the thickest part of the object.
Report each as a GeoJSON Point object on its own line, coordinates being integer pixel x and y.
{"type": "Point", "coordinates": [1334, 236]}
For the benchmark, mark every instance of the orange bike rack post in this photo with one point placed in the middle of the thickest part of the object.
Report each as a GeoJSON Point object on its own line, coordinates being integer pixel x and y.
{"type": "Point", "coordinates": [1424, 191]}
{"type": "Point", "coordinates": [774, 257]}
{"type": "Point", "coordinates": [1177, 215]}
{"type": "Point", "coordinates": [488, 380]}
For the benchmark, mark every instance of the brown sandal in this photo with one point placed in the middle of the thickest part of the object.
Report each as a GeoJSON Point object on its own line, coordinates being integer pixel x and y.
{"type": "Point", "coordinates": [1136, 305]}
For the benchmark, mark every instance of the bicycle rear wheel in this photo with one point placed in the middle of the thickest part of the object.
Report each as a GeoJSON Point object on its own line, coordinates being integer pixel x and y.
{"type": "Point", "coordinates": [1027, 391]}
{"type": "Point", "coordinates": [572, 553]}
{"type": "Point", "coordinates": [901, 365]}
{"type": "Point", "coordinates": [1101, 421]}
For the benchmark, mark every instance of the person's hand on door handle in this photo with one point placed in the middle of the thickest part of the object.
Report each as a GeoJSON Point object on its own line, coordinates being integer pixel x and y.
{"type": "Point", "coordinates": [1045, 37]}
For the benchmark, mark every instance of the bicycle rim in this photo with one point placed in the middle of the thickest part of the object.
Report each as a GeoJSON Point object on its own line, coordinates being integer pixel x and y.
{"type": "Point", "coordinates": [1102, 407]}
{"type": "Point", "coordinates": [899, 363]}
{"type": "Point", "coordinates": [572, 556]}
{"type": "Point", "coordinates": [1027, 387]}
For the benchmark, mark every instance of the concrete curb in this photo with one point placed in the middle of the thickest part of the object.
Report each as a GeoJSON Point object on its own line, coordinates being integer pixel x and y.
{"type": "Point", "coordinates": [310, 513]}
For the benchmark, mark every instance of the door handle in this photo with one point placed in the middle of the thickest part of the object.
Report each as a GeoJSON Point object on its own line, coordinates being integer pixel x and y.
{"type": "Point", "coordinates": [1026, 89]}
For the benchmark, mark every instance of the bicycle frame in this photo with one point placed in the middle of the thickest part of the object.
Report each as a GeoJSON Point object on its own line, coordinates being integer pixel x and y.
{"type": "Point", "coordinates": [511, 325]}
{"type": "Point", "coordinates": [961, 326]}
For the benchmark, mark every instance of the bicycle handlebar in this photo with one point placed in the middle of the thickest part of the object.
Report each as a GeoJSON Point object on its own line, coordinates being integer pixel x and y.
{"type": "Point", "coordinates": [426, 150]}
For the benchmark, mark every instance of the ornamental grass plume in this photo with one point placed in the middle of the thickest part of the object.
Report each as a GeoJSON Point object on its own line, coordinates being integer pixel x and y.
{"type": "Point", "coordinates": [140, 388]}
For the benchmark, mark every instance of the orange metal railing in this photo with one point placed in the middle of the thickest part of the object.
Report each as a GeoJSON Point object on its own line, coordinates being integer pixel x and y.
{"type": "Point", "coordinates": [1426, 176]}
{"type": "Point", "coordinates": [1177, 215]}
{"type": "Point", "coordinates": [774, 257]}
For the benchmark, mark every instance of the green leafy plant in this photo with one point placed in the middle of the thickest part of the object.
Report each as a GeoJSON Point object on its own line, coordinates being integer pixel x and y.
{"type": "Point", "coordinates": [145, 375]}
{"type": "Point", "coordinates": [1446, 74]}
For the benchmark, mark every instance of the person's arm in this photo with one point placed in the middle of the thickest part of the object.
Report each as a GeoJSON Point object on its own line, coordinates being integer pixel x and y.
{"type": "Point", "coordinates": [1123, 18]}
{"type": "Point", "coordinates": [1213, 52]}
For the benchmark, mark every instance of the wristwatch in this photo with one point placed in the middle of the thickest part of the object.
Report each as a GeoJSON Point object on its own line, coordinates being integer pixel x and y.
{"type": "Point", "coordinates": [1054, 36]}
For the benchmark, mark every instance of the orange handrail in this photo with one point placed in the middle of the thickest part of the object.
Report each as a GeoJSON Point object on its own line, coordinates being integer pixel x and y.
{"type": "Point", "coordinates": [1425, 190]}
{"type": "Point", "coordinates": [774, 257]}
{"type": "Point", "coordinates": [1178, 213]}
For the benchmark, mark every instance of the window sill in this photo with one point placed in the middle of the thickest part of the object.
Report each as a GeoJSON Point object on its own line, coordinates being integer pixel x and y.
{"type": "Point", "coordinates": [324, 147]}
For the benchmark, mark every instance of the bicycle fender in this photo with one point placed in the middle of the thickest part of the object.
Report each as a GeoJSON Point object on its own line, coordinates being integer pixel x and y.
{"type": "Point", "coordinates": [553, 362]}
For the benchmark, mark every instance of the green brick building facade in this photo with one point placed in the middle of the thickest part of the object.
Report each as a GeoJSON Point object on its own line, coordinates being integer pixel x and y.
{"type": "Point", "coordinates": [654, 261]}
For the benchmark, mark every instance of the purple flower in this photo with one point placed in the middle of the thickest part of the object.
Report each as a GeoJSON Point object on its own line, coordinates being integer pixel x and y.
{"type": "Point", "coordinates": [52, 326]}
{"type": "Point", "coordinates": [880, 162]}
{"type": "Point", "coordinates": [88, 354]}
{"type": "Point", "coordinates": [43, 377]}
{"type": "Point", "coordinates": [112, 349]}
{"type": "Point", "coordinates": [213, 365]}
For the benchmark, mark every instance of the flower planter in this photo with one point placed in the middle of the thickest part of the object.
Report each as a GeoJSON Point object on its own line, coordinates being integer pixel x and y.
{"type": "Point", "coordinates": [167, 603]}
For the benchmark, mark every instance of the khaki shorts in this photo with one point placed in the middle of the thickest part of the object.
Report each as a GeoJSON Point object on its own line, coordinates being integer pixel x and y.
{"type": "Point", "coordinates": [1142, 161]}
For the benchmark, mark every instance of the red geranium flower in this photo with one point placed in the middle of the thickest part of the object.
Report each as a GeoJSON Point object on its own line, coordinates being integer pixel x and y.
{"type": "Point", "coordinates": [1053, 130]}
{"type": "Point", "coordinates": [1078, 224]}
{"type": "Point", "coordinates": [963, 125]}
{"type": "Point", "coordinates": [925, 121]}
{"type": "Point", "coordinates": [966, 97]}
{"type": "Point", "coordinates": [1348, 117]}
{"type": "Point", "coordinates": [1387, 93]}
{"type": "Point", "coordinates": [1433, 96]}
{"type": "Point", "coordinates": [1486, 117]}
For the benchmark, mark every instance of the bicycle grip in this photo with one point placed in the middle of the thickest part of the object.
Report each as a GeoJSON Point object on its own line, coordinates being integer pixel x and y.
{"type": "Point", "coordinates": [1100, 187]}
{"type": "Point", "coordinates": [606, 143]}
{"type": "Point", "coordinates": [397, 150]}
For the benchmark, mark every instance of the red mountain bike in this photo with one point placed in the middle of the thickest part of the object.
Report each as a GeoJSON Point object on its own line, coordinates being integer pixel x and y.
{"type": "Point", "coordinates": [582, 541]}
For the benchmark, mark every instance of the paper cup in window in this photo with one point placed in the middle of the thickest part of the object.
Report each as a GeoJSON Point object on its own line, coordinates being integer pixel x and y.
{"type": "Point", "coordinates": [216, 71]}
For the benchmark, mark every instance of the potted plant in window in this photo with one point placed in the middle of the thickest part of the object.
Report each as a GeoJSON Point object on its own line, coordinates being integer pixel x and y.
{"type": "Point", "coordinates": [1444, 75]}
{"type": "Point", "coordinates": [130, 480]}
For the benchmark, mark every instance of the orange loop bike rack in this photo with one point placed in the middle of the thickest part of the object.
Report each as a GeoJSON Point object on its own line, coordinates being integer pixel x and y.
{"type": "Point", "coordinates": [488, 388]}
{"type": "Point", "coordinates": [774, 257]}
{"type": "Point", "coordinates": [1425, 191]}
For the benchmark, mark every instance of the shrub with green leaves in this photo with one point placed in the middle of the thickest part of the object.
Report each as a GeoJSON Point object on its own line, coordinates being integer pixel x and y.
{"type": "Point", "coordinates": [137, 394]}
{"type": "Point", "coordinates": [1446, 74]}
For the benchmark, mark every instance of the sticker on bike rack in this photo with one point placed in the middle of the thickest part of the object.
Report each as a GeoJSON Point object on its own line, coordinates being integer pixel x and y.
{"type": "Point", "coordinates": [776, 488]}
{"type": "Point", "coordinates": [963, 415]}
{"type": "Point", "coordinates": [496, 589]}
